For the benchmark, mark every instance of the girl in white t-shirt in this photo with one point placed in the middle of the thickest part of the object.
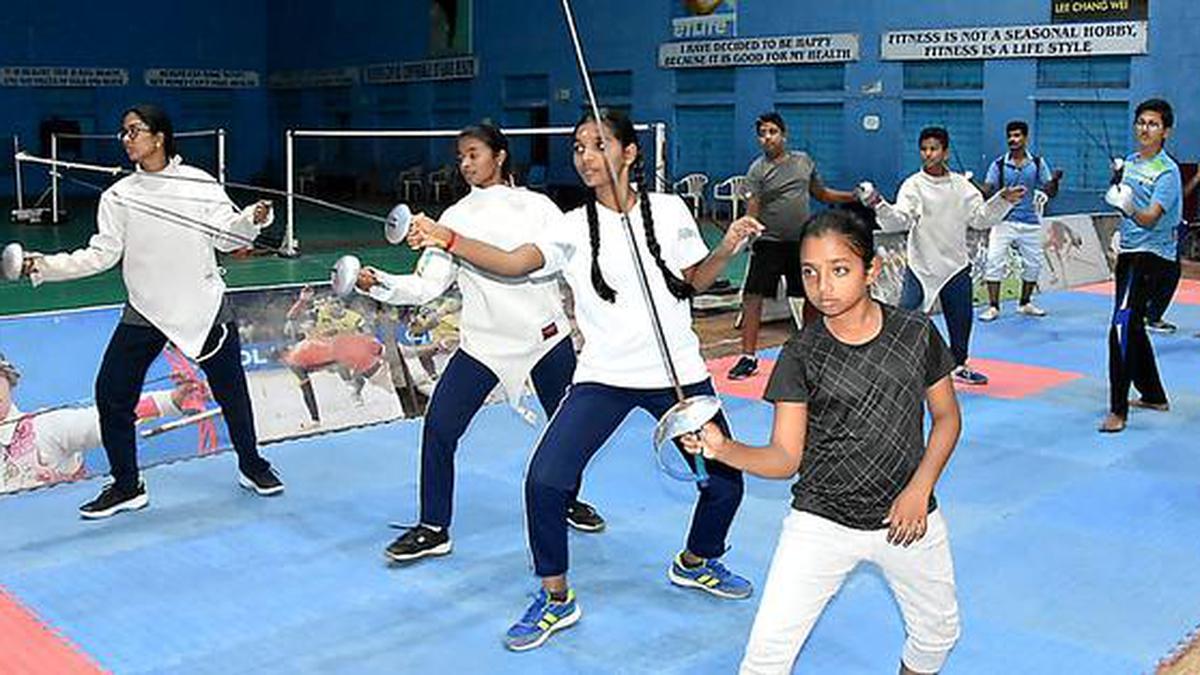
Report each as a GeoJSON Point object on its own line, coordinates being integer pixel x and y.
{"type": "Point", "coordinates": [510, 330]}
{"type": "Point", "coordinates": [620, 367]}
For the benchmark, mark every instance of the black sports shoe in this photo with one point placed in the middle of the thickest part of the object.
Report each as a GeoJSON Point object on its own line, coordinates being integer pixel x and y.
{"type": "Point", "coordinates": [264, 483]}
{"type": "Point", "coordinates": [1161, 326]}
{"type": "Point", "coordinates": [112, 501]}
{"type": "Point", "coordinates": [418, 542]}
{"type": "Point", "coordinates": [583, 516]}
{"type": "Point", "coordinates": [745, 367]}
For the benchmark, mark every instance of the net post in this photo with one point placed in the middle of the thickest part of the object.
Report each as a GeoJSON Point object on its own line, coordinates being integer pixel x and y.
{"type": "Point", "coordinates": [660, 157]}
{"type": "Point", "coordinates": [221, 155]}
{"type": "Point", "coordinates": [17, 172]}
{"type": "Point", "coordinates": [289, 238]}
{"type": "Point", "coordinates": [54, 178]}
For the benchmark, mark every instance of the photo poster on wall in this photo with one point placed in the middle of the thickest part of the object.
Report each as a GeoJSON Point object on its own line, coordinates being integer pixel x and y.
{"type": "Point", "coordinates": [315, 363]}
{"type": "Point", "coordinates": [449, 27]}
{"type": "Point", "coordinates": [703, 19]}
{"type": "Point", "coordinates": [1075, 252]}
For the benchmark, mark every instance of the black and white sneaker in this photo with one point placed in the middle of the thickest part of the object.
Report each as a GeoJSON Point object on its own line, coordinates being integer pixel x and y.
{"type": "Point", "coordinates": [265, 483]}
{"type": "Point", "coordinates": [1161, 326]}
{"type": "Point", "coordinates": [745, 367]}
{"type": "Point", "coordinates": [584, 517]}
{"type": "Point", "coordinates": [112, 501]}
{"type": "Point", "coordinates": [418, 542]}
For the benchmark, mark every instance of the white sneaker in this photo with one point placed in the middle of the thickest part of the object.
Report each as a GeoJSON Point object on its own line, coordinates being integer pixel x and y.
{"type": "Point", "coordinates": [1030, 309]}
{"type": "Point", "coordinates": [990, 313]}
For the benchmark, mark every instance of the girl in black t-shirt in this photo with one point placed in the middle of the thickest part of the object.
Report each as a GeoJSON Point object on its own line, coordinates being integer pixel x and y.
{"type": "Point", "coordinates": [850, 393]}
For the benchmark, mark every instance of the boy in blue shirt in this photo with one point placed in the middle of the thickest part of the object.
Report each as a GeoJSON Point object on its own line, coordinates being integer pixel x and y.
{"type": "Point", "coordinates": [1150, 198]}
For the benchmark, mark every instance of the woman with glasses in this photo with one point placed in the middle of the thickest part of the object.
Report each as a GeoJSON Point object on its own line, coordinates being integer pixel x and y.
{"type": "Point", "coordinates": [163, 223]}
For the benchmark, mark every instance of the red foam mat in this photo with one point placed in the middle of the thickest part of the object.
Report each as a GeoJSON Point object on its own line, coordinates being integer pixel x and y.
{"type": "Point", "coordinates": [30, 647]}
{"type": "Point", "coordinates": [1188, 292]}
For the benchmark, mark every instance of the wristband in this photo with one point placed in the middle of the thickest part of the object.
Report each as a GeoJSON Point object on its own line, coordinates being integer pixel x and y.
{"type": "Point", "coordinates": [450, 242]}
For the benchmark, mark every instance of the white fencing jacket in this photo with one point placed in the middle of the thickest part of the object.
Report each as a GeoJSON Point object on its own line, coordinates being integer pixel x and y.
{"type": "Point", "coordinates": [170, 269]}
{"type": "Point", "coordinates": [508, 324]}
{"type": "Point", "coordinates": [937, 211]}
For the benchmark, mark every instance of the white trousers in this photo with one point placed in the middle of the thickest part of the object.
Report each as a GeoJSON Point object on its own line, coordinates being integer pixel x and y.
{"type": "Point", "coordinates": [1028, 239]}
{"type": "Point", "coordinates": [811, 562]}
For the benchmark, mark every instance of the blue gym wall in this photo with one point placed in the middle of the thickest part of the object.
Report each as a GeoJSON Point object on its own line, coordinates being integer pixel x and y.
{"type": "Point", "coordinates": [527, 38]}
{"type": "Point", "coordinates": [216, 34]}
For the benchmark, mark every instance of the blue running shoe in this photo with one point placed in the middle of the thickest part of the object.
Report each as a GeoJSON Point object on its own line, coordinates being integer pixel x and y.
{"type": "Point", "coordinates": [712, 576]}
{"type": "Point", "coordinates": [542, 618]}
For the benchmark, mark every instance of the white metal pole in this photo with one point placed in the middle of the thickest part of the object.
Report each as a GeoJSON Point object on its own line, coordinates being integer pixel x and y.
{"type": "Point", "coordinates": [17, 172]}
{"type": "Point", "coordinates": [289, 240]}
{"type": "Point", "coordinates": [54, 178]}
{"type": "Point", "coordinates": [221, 156]}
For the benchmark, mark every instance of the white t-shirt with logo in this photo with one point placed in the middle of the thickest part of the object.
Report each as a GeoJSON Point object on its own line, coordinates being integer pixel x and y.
{"type": "Point", "coordinates": [619, 344]}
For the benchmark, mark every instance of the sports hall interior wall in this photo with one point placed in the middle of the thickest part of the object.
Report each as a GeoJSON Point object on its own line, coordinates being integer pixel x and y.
{"type": "Point", "coordinates": [526, 75]}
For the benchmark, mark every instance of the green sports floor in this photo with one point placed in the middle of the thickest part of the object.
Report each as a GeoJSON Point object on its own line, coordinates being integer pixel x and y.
{"type": "Point", "coordinates": [323, 236]}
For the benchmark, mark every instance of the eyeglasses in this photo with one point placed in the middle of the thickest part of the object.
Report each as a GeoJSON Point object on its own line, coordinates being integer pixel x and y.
{"type": "Point", "coordinates": [131, 133]}
{"type": "Point", "coordinates": [1148, 124]}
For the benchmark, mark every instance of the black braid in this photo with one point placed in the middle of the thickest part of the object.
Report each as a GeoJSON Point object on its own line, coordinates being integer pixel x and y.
{"type": "Point", "coordinates": [605, 291]}
{"type": "Point", "coordinates": [679, 288]}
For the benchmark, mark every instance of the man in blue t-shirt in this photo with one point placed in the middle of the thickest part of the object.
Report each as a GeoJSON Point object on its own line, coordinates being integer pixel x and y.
{"type": "Point", "coordinates": [1023, 225]}
{"type": "Point", "coordinates": [1150, 197]}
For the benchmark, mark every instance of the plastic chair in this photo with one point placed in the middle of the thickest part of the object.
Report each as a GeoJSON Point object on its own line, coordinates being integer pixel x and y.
{"type": "Point", "coordinates": [306, 177]}
{"type": "Point", "coordinates": [732, 190]}
{"type": "Point", "coordinates": [691, 188]}
{"type": "Point", "coordinates": [439, 180]}
{"type": "Point", "coordinates": [408, 182]}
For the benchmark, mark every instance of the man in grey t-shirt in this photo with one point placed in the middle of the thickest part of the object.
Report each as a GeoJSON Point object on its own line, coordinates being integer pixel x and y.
{"type": "Point", "coordinates": [779, 183]}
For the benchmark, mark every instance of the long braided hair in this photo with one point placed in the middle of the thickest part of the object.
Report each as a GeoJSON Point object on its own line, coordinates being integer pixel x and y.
{"type": "Point", "coordinates": [622, 129]}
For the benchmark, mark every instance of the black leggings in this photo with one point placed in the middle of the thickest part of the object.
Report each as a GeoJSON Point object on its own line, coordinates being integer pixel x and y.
{"type": "Point", "coordinates": [130, 352]}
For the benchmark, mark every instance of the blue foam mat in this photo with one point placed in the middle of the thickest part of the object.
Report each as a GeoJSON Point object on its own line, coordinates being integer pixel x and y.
{"type": "Point", "coordinates": [1075, 552]}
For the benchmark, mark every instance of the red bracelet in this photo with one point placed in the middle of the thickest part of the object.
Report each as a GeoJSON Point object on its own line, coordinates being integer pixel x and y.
{"type": "Point", "coordinates": [450, 242]}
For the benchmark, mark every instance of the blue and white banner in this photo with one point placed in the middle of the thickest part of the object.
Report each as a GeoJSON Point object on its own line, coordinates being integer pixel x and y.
{"type": "Point", "coordinates": [201, 78]}
{"type": "Point", "coordinates": [62, 76]}
{"type": "Point", "coordinates": [771, 50]}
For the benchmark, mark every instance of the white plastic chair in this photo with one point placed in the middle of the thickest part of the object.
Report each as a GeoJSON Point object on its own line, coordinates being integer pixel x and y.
{"type": "Point", "coordinates": [691, 188]}
{"type": "Point", "coordinates": [439, 180]}
{"type": "Point", "coordinates": [305, 178]}
{"type": "Point", "coordinates": [732, 190]}
{"type": "Point", "coordinates": [409, 182]}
